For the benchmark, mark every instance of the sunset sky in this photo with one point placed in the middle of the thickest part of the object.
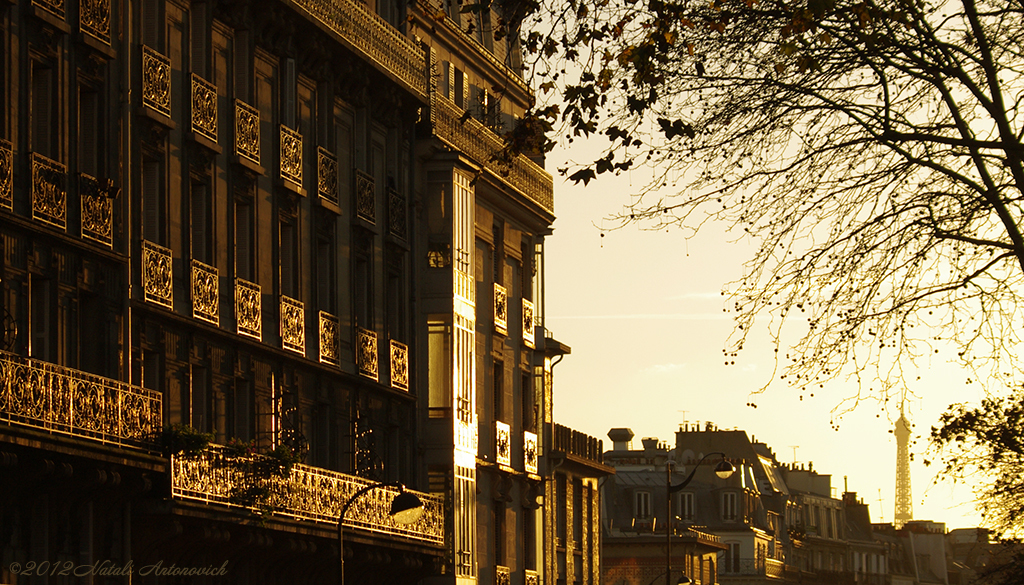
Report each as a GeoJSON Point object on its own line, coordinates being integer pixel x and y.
{"type": "Point", "coordinates": [643, 313]}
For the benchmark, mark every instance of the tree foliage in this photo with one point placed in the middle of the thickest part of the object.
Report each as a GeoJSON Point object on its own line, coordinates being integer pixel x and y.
{"type": "Point", "coordinates": [988, 439]}
{"type": "Point", "coordinates": [869, 149]}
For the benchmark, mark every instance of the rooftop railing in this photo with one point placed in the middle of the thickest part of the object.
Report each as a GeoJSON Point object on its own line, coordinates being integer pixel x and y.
{"type": "Point", "coordinates": [576, 443]}
{"type": "Point", "coordinates": [64, 401]}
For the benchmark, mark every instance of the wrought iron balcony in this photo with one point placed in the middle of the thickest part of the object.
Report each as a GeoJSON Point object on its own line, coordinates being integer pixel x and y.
{"type": "Point", "coordinates": [500, 309]}
{"type": "Point", "coordinates": [397, 222]}
{"type": "Point", "coordinates": [735, 566]}
{"type": "Point", "coordinates": [373, 38]}
{"type": "Point", "coordinates": [97, 210]}
{"type": "Point", "coordinates": [293, 325]}
{"type": "Point", "coordinates": [502, 443]}
{"type": "Point", "coordinates": [530, 452]}
{"type": "Point", "coordinates": [157, 282]}
{"type": "Point", "coordinates": [291, 155]}
{"type": "Point", "coordinates": [329, 338]}
{"type": "Point", "coordinates": [156, 81]}
{"type": "Point", "coordinates": [49, 191]}
{"type": "Point", "coordinates": [204, 108]}
{"type": "Point", "coordinates": [502, 575]}
{"type": "Point", "coordinates": [94, 19]}
{"type": "Point", "coordinates": [480, 143]}
{"type": "Point", "coordinates": [532, 577]}
{"type": "Point", "coordinates": [64, 401]}
{"type": "Point", "coordinates": [308, 493]}
{"type": "Point", "coordinates": [327, 175]}
{"type": "Point", "coordinates": [248, 309]}
{"type": "Point", "coordinates": [6, 175]}
{"type": "Point", "coordinates": [54, 7]}
{"type": "Point", "coordinates": [205, 293]}
{"type": "Point", "coordinates": [528, 323]}
{"type": "Point", "coordinates": [366, 197]}
{"type": "Point", "coordinates": [399, 365]}
{"type": "Point", "coordinates": [366, 353]}
{"type": "Point", "coordinates": [247, 131]}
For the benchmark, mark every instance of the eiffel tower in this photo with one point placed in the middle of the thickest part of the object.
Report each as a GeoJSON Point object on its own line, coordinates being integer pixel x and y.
{"type": "Point", "coordinates": [904, 500]}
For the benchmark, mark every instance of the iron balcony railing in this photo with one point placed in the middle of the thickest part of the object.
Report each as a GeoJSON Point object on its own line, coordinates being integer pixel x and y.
{"type": "Point", "coordinates": [65, 401]}
{"type": "Point", "coordinates": [481, 144]}
{"type": "Point", "coordinates": [371, 36]}
{"type": "Point", "coordinates": [308, 493]}
{"type": "Point", "coordinates": [762, 567]}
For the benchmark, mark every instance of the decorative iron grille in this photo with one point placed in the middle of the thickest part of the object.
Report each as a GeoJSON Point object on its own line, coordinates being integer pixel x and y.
{"type": "Point", "coordinates": [366, 197]}
{"type": "Point", "coordinates": [329, 338]}
{"type": "Point", "coordinates": [204, 108]}
{"type": "Point", "coordinates": [293, 325]}
{"type": "Point", "coordinates": [366, 353]}
{"type": "Point", "coordinates": [530, 452]}
{"type": "Point", "coordinates": [247, 131]}
{"type": "Point", "coordinates": [500, 309]}
{"type": "Point", "coordinates": [66, 401]}
{"type": "Point", "coordinates": [528, 324]}
{"type": "Point", "coordinates": [54, 7]}
{"type": "Point", "coordinates": [97, 210]}
{"type": "Point", "coordinates": [157, 282]}
{"type": "Point", "coordinates": [248, 309]}
{"type": "Point", "coordinates": [291, 155]}
{"type": "Point", "coordinates": [399, 365]}
{"type": "Point", "coordinates": [502, 575]}
{"type": "Point", "coordinates": [6, 175]}
{"type": "Point", "coordinates": [94, 19]}
{"type": "Point", "coordinates": [532, 577]}
{"type": "Point", "coordinates": [308, 493]}
{"type": "Point", "coordinates": [49, 194]}
{"type": "Point", "coordinates": [326, 175]}
{"type": "Point", "coordinates": [502, 443]}
{"type": "Point", "coordinates": [156, 81]}
{"type": "Point", "coordinates": [397, 222]}
{"type": "Point", "coordinates": [205, 292]}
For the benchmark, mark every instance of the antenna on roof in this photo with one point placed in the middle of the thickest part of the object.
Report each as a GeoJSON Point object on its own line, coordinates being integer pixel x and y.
{"type": "Point", "coordinates": [794, 448]}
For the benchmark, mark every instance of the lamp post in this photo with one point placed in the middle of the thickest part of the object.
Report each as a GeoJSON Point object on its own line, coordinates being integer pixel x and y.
{"type": "Point", "coordinates": [724, 470]}
{"type": "Point", "coordinates": [406, 508]}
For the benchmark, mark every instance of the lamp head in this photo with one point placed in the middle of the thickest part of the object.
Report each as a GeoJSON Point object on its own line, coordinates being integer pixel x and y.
{"type": "Point", "coordinates": [406, 508]}
{"type": "Point", "coordinates": [724, 469]}
{"type": "Point", "coordinates": [684, 580]}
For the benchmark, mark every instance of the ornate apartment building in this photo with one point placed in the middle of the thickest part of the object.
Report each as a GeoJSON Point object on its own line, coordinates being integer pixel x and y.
{"type": "Point", "coordinates": [279, 223]}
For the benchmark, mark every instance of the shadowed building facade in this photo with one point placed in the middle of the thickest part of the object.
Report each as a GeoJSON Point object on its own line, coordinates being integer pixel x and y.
{"type": "Point", "coordinates": [278, 223]}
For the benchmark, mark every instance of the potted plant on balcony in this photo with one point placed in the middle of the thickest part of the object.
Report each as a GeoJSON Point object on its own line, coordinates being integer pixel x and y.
{"type": "Point", "coordinates": [256, 473]}
{"type": "Point", "coordinates": [181, 440]}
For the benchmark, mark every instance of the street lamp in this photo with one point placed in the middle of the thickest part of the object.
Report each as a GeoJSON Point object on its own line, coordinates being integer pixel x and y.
{"type": "Point", "coordinates": [724, 470]}
{"type": "Point", "coordinates": [406, 508]}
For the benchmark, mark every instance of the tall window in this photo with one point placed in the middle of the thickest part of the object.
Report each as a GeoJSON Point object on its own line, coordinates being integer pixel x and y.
{"type": "Point", "coordinates": [642, 505]}
{"type": "Point", "coordinates": [200, 399]}
{"type": "Point", "coordinates": [499, 533]}
{"type": "Point", "coordinates": [529, 406]}
{"type": "Point", "coordinates": [498, 378]}
{"type": "Point", "coordinates": [239, 410]}
{"type": "Point", "coordinates": [326, 266]}
{"type": "Point", "coordinates": [154, 202]}
{"type": "Point", "coordinates": [289, 255]}
{"type": "Point", "coordinates": [41, 313]}
{"type": "Point", "coordinates": [729, 506]}
{"type": "Point", "coordinates": [201, 216]}
{"type": "Point", "coordinates": [44, 114]}
{"type": "Point", "coordinates": [89, 131]}
{"type": "Point", "coordinates": [396, 295]}
{"type": "Point", "coordinates": [244, 243]}
{"type": "Point", "coordinates": [685, 507]}
{"type": "Point", "coordinates": [362, 278]}
{"type": "Point", "coordinates": [732, 558]}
